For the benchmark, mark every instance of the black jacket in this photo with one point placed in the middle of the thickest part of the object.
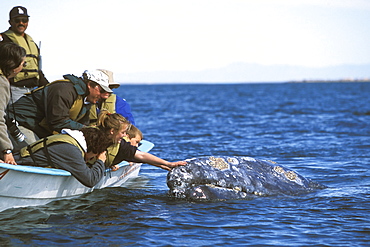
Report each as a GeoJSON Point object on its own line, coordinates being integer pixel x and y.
{"type": "Point", "coordinates": [52, 103]}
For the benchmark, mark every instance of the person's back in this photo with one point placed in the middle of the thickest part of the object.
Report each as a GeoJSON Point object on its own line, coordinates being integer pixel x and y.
{"type": "Point", "coordinates": [58, 105]}
{"type": "Point", "coordinates": [47, 108]}
{"type": "Point", "coordinates": [32, 75]}
{"type": "Point", "coordinates": [70, 151]}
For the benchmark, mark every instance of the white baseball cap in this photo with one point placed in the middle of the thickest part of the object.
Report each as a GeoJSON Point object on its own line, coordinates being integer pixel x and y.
{"type": "Point", "coordinates": [112, 83]}
{"type": "Point", "coordinates": [99, 77]}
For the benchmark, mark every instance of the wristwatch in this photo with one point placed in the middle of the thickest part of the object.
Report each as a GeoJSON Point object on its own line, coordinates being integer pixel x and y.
{"type": "Point", "coordinates": [7, 151]}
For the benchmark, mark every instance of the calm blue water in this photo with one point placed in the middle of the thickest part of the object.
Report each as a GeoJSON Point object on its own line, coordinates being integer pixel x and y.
{"type": "Point", "coordinates": [319, 130]}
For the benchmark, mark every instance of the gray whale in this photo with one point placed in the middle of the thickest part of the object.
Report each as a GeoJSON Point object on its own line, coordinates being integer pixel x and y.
{"type": "Point", "coordinates": [224, 177]}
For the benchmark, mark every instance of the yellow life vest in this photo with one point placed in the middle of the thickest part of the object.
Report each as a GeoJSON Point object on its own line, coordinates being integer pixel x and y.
{"type": "Point", "coordinates": [43, 143]}
{"type": "Point", "coordinates": [108, 104]}
{"type": "Point", "coordinates": [73, 112]}
{"type": "Point", "coordinates": [32, 55]}
{"type": "Point", "coordinates": [112, 152]}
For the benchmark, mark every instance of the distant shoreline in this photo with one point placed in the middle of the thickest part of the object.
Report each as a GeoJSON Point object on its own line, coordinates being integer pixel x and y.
{"type": "Point", "coordinates": [331, 81]}
{"type": "Point", "coordinates": [229, 83]}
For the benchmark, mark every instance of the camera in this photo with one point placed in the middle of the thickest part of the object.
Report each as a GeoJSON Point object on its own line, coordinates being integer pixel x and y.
{"type": "Point", "coordinates": [14, 131]}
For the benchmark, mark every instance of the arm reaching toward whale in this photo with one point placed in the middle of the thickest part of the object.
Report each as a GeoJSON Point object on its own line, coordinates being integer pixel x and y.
{"type": "Point", "coordinates": [156, 161]}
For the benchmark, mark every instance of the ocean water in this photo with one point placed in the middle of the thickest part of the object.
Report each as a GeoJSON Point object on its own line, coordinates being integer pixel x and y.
{"type": "Point", "coordinates": [320, 130]}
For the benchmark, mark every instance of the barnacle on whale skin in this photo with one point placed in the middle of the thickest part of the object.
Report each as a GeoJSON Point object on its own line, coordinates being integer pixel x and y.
{"type": "Point", "coordinates": [233, 161]}
{"type": "Point", "coordinates": [218, 163]}
{"type": "Point", "coordinates": [290, 175]}
{"type": "Point", "coordinates": [278, 169]}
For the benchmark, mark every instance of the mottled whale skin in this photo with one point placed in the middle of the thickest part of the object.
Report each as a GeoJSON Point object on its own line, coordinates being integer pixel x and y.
{"type": "Point", "coordinates": [224, 177]}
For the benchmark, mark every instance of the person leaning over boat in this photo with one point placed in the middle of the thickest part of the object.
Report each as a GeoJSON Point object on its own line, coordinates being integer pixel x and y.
{"type": "Point", "coordinates": [70, 151]}
{"type": "Point", "coordinates": [58, 105]}
{"type": "Point", "coordinates": [12, 60]}
{"type": "Point", "coordinates": [115, 126]}
{"type": "Point", "coordinates": [113, 103]}
{"type": "Point", "coordinates": [133, 136]}
{"type": "Point", "coordinates": [32, 76]}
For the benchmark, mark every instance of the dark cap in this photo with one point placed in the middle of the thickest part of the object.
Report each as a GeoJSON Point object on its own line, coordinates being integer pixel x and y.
{"type": "Point", "coordinates": [18, 11]}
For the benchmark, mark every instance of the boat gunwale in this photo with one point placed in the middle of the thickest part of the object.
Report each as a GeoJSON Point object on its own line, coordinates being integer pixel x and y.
{"type": "Point", "coordinates": [145, 147]}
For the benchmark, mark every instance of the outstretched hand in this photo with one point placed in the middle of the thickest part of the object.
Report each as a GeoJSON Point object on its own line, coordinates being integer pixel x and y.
{"type": "Point", "coordinates": [171, 165]}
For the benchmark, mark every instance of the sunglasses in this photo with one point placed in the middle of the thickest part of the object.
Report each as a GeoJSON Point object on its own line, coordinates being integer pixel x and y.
{"type": "Point", "coordinates": [20, 19]}
{"type": "Point", "coordinates": [24, 64]}
{"type": "Point", "coordinates": [102, 90]}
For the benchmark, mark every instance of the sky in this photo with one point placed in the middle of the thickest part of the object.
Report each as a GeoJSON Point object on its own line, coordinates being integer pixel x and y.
{"type": "Point", "coordinates": [141, 36]}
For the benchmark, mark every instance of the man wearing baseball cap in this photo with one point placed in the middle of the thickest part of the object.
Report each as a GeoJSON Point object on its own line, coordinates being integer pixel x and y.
{"type": "Point", "coordinates": [62, 104]}
{"type": "Point", "coordinates": [31, 76]}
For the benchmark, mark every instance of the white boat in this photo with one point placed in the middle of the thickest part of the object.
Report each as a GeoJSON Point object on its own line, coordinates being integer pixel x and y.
{"type": "Point", "coordinates": [30, 185]}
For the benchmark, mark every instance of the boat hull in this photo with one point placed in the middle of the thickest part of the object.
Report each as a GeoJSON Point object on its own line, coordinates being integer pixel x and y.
{"type": "Point", "coordinates": [30, 185]}
{"type": "Point", "coordinates": [33, 185]}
